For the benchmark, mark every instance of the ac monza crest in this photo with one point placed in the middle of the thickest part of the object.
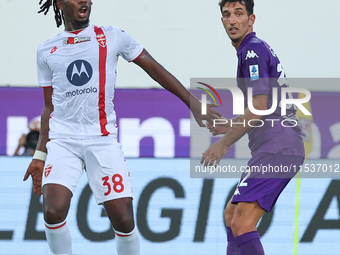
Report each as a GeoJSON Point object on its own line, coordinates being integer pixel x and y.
{"type": "Point", "coordinates": [101, 38]}
{"type": "Point", "coordinates": [47, 170]}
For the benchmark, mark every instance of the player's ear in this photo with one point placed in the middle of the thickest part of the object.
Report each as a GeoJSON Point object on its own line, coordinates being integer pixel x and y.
{"type": "Point", "coordinates": [252, 19]}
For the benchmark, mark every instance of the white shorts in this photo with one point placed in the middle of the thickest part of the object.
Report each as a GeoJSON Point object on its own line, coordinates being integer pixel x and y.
{"type": "Point", "coordinates": [101, 158]}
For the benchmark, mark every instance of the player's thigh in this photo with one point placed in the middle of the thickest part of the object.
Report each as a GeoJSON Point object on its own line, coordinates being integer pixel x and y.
{"type": "Point", "coordinates": [229, 212]}
{"type": "Point", "coordinates": [107, 171]}
{"type": "Point", "coordinates": [63, 165]}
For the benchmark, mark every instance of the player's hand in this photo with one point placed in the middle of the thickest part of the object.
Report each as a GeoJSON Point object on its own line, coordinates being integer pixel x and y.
{"type": "Point", "coordinates": [214, 154]}
{"type": "Point", "coordinates": [218, 129]}
{"type": "Point", "coordinates": [35, 170]}
{"type": "Point", "coordinates": [209, 117]}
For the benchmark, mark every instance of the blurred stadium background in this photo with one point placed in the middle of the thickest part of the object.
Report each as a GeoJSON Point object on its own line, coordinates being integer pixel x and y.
{"type": "Point", "coordinates": [176, 214]}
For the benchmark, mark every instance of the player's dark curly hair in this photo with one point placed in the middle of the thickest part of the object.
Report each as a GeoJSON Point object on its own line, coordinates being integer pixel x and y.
{"type": "Point", "coordinates": [248, 3]}
{"type": "Point", "coordinates": [58, 15]}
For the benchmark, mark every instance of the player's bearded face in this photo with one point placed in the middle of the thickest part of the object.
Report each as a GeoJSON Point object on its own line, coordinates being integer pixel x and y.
{"type": "Point", "coordinates": [236, 21]}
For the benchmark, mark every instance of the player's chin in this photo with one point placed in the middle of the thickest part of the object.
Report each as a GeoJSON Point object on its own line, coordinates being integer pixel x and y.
{"type": "Point", "coordinates": [233, 36]}
{"type": "Point", "coordinates": [81, 21]}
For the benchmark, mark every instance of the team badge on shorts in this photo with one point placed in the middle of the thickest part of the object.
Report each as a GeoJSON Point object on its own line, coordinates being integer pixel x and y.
{"type": "Point", "coordinates": [237, 192]}
{"type": "Point", "coordinates": [47, 170]}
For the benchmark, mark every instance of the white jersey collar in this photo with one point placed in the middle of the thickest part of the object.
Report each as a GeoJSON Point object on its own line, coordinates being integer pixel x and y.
{"type": "Point", "coordinates": [69, 33]}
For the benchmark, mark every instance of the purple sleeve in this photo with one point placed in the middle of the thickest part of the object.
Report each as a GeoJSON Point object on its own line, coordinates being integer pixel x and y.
{"type": "Point", "coordinates": [255, 67]}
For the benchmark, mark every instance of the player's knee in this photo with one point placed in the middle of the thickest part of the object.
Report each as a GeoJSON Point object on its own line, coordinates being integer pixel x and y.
{"type": "Point", "coordinates": [124, 223]}
{"type": "Point", "coordinates": [240, 225]}
{"type": "Point", "coordinates": [237, 226]}
{"type": "Point", "coordinates": [53, 215]}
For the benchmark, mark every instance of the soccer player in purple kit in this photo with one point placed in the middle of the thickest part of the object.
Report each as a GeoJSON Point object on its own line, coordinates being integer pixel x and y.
{"type": "Point", "coordinates": [271, 144]}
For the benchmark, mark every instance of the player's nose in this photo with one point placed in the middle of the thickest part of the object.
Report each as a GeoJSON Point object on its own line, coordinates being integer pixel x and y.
{"type": "Point", "coordinates": [232, 19]}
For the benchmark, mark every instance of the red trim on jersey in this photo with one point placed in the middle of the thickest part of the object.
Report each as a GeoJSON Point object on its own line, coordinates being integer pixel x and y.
{"type": "Point", "coordinates": [57, 226]}
{"type": "Point", "coordinates": [138, 56]}
{"type": "Point", "coordinates": [102, 82]}
{"type": "Point", "coordinates": [76, 32]}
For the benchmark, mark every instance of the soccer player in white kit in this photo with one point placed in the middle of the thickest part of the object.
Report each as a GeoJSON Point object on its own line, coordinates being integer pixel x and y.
{"type": "Point", "coordinates": [77, 70]}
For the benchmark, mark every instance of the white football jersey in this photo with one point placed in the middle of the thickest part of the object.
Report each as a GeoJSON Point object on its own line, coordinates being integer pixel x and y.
{"type": "Point", "coordinates": [81, 68]}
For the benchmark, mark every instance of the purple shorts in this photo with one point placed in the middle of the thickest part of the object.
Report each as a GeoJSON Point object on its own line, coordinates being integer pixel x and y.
{"type": "Point", "coordinates": [267, 176]}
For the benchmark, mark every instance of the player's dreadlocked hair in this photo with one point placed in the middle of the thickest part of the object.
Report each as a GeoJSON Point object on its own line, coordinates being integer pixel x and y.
{"type": "Point", "coordinates": [57, 13]}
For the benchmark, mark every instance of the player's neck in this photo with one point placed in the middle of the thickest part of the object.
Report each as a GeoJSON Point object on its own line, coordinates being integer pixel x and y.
{"type": "Point", "coordinates": [238, 42]}
{"type": "Point", "coordinates": [71, 27]}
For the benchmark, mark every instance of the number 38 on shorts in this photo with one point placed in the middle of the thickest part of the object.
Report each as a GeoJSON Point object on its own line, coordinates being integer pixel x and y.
{"type": "Point", "coordinates": [115, 183]}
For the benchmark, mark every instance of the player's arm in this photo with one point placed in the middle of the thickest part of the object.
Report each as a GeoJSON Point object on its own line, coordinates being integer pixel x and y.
{"type": "Point", "coordinates": [170, 83]}
{"type": "Point", "coordinates": [219, 129]}
{"type": "Point", "coordinates": [35, 169]}
{"type": "Point", "coordinates": [45, 117]}
{"type": "Point", "coordinates": [217, 150]}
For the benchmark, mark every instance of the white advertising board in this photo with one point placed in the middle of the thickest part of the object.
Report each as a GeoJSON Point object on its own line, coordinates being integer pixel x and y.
{"type": "Point", "coordinates": [174, 213]}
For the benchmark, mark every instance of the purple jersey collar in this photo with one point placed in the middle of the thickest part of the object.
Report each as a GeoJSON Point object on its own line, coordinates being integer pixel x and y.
{"type": "Point", "coordinates": [246, 40]}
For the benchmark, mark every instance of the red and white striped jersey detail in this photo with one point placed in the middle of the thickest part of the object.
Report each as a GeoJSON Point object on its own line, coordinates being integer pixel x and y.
{"type": "Point", "coordinates": [102, 79]}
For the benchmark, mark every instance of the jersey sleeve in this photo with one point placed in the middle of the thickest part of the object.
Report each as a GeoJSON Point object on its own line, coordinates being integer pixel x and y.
{"type": "Point", "coordinates": [256, 69]}
{"type": "Point", "coordinates": [128, 48]}
{"type": "Point", "coordinates": [44, 72]}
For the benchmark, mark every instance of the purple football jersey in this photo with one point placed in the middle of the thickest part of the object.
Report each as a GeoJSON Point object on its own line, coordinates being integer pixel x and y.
{"type": "Point", "coordinates": [260, 69]}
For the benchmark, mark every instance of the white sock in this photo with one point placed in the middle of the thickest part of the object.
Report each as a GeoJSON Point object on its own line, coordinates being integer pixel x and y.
{"type": "Point", "coordinates": [58, 238]}
{"type": "Point", "coordinates": [127, 243]}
